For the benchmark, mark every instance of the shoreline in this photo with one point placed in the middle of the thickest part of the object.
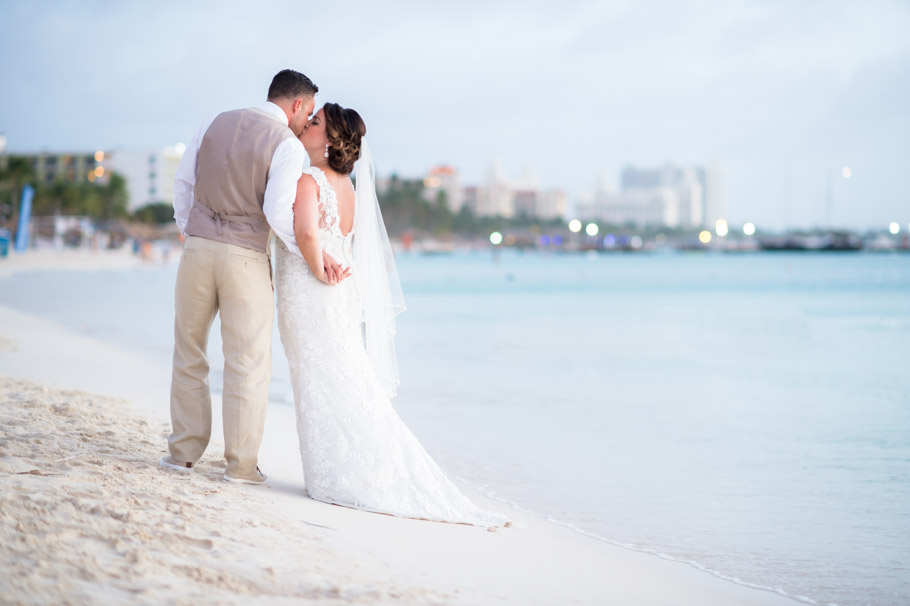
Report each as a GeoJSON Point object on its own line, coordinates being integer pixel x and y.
{"type": "Point", "coordinates": [696, 566]}
{"type": "Point", "coordinates": [434, 563]}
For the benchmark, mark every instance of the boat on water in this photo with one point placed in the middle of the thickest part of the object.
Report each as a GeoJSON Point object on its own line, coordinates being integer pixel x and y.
{"type": "Point", "coordinates": [834, 242]}
{"type": "Point", "coordinates": [432, 247]}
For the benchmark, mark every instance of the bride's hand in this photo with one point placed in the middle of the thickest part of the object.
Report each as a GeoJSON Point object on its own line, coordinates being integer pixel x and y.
{"type": "Point", "coordinates": [334, 273]}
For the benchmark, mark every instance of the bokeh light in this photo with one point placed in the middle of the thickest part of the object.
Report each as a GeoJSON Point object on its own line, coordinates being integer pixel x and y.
{"type": "Point", "coordinates": [847, 172]}
{"type": "Point", "coordinates": [749, 229]}
{"type": "Point", "coordinates": [496, 238]}
{"type": "Point", "coordinates": [574, 226]}
{"type": "Point", "coordinates": [894, 228]}
{"type": "Point", "coordinates": [704, 237]}
{"type": "Point", "coordinates": [721, 228]}
{"type": "Point", "coordinates": [591, 229]}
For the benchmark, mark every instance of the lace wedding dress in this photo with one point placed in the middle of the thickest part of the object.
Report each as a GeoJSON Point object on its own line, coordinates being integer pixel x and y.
{"type": "Point", "coordinates": [356, 451]}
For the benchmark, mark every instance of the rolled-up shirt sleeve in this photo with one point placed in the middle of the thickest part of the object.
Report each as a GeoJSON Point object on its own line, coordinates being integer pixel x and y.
{"type": "Point", "coordinates": [185, 179]}
{"type": "Point", "coordinates": [281, 190]}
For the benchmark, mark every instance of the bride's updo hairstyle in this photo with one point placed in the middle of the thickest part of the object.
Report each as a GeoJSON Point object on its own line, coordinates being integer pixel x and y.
{"type": "Point", "coordinates": [344, 128]}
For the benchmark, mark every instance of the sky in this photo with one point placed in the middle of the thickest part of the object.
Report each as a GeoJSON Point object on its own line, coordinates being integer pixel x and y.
{"type": "Point", "coordinates": [780, 95]}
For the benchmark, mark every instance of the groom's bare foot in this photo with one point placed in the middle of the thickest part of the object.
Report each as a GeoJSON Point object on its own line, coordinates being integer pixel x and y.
{"type": "Point", "coordinates": [258, 479]}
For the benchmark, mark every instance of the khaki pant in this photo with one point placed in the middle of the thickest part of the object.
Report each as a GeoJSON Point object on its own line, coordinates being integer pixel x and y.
{"type": "Point", "coordinates": [236, 282]}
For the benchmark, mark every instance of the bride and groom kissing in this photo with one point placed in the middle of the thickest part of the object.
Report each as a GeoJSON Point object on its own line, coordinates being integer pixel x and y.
{"type": "Point", "coordinates": [338, 293]}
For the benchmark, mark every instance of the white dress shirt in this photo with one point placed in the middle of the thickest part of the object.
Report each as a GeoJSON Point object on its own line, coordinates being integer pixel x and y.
{"type": "Point", "coordinates": [280, 189]}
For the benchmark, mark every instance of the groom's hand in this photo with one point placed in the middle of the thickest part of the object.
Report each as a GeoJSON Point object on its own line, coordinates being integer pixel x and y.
{"type": "Point", "coordinates": [334, 273]}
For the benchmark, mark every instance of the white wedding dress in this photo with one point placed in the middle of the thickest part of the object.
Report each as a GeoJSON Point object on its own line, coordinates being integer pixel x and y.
{"type": "Point", "coordinates": [356, 451]}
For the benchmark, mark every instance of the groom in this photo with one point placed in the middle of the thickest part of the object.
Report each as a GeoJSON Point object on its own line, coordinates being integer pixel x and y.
{"type": "Point", "coordinates": [236, 180]}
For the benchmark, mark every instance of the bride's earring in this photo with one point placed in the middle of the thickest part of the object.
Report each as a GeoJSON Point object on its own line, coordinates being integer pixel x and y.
{"type": "Point", "coordinates": [326, 150]}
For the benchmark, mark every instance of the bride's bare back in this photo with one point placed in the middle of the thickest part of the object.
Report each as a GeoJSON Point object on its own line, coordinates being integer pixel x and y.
{"type": "Point", "coordinates": [344, 192]}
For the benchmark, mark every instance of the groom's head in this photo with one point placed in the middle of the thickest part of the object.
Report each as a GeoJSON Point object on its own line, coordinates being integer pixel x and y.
{"type": "Point", "coordinates": [294, 93]}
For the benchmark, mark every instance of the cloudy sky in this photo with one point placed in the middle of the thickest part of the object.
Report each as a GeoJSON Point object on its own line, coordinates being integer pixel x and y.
{"type": "Point", "coordinates": [780, 95]}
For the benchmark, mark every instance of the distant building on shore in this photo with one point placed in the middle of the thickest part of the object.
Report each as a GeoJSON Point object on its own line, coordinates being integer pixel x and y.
{"type": "Point", "coordinates": [666, 196]}
{"type": "Point", "coordinates": [69, 166]}
{"type": "Point", "coordinates": [497, 196]}
{"type": "Point", "coordinates": [712, 182]}
{"type": "Point", "coordinates": [149, 175]}
{"type": "Point", "coordinates": [471, 193]}
{"type": "Point", "coordinates": [640, 207]}
{"type": "Point", "coordinates": [444, 179]}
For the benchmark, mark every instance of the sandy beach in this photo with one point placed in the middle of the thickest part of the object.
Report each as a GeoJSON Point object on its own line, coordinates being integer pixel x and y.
{"type": "Point", "coordinates": [87, 517]}
{"type": "Point", "coordinates": [50, 259]}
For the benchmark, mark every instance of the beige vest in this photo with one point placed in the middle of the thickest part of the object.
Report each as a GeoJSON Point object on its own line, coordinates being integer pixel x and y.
{"type": "Point", "coordinates": [232, 169]}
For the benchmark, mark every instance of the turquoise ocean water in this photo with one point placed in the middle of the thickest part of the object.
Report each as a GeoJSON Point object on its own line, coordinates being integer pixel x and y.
{"type": "Point", "coordinates": [749, 414]}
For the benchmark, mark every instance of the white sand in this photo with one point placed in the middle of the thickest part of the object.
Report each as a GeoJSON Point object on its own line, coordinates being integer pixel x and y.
{"type": "Point", "coordinates": [86, 516]}
{"type": "Point", "coordinates": [70, 259]}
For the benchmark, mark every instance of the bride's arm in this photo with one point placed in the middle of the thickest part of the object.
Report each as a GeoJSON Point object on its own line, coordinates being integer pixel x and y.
{"type": "Point", "coordinates": [306, 226]}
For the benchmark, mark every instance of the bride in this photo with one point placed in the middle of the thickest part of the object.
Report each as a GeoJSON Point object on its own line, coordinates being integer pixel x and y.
{"type": "Point", "coordinates": [338, 339]}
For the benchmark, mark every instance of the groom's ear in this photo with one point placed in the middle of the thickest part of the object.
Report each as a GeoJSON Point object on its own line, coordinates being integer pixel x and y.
{"type": "Point", "coordinates": [298, 103]}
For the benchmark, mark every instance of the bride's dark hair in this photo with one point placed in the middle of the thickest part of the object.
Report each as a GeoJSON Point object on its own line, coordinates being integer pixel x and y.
{"type": "Point", "coordinates": [344, 128]}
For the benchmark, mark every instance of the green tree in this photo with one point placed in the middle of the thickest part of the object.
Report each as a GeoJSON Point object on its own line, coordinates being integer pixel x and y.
{"type": "Point", "coordinates": [14, 175]}
{"type": "Point", "coordinates": [104, 202]}
{"type": "Point", "coordinates": [157, 213]}
{"type": "Point", "coordinates": [114, 198]}
{"type": "Point", "coordinates": [403, 206]}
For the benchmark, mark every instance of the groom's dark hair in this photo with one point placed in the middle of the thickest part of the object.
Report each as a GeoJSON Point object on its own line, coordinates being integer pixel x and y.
{"type": "Point", "coordinates": [288, 84]}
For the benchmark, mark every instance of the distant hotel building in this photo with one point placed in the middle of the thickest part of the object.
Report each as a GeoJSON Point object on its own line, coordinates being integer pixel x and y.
{"type": "Point", "coordinates": [668, 196]}
{"type": "Point", "coordinates": [72, 167]}
{"type": "Point", "coordinates": [444, 179]}
{"type": "Point", "coordinates": [149, 175]}
{"type": "Point", "coordinates": [497, 196]}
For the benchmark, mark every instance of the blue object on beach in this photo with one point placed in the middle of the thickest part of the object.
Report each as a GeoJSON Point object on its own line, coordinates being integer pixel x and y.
{"type": "Point", "coordinates": [25, 213]}
{"type": "Point", "coordinates": [5, 236]}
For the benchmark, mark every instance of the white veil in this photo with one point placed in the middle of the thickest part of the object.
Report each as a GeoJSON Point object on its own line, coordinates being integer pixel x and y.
{"type": "Point", "coordinates": [376, 274]}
